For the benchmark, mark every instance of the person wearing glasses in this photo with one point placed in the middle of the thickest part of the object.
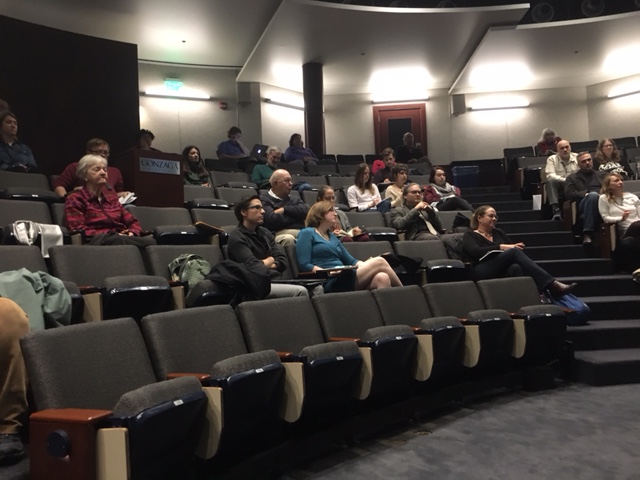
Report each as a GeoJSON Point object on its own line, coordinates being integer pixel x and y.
{"type": "Point", "coordinates": [417, 218]}
{"type": "Point", "coordinates": [252, 244]}
{"type": "Point", "coordinates": [319, 249]}
{"type": "Point", "coordinates": [558, 168]}
{"type": "Point", "coordinates": [69, 181]}
{"type": "Point", "coordinates": [609, 160]}
{"type": "Point", "coordinates": [494, 255]}
{"type": "Point", "coordinates": [342, 229]}
{"type": "Point", "coordinates": [15, 156]}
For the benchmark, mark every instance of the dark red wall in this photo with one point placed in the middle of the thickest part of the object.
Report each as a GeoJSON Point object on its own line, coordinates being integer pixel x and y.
{"type": "Point", "coordinates": [66, 88]}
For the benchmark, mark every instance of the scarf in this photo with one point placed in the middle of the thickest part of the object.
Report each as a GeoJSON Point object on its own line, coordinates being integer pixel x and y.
{"type": "Point", "coordinates": [444, 192]}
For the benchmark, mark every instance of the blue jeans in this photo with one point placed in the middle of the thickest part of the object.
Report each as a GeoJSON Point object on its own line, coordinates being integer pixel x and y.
{"type": "Point", "coordinates": [588, 211]}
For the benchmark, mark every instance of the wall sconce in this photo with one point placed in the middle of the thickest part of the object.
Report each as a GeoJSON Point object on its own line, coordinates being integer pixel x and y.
{"type": "Point", "coordinates": [498, 104]}
{"type": "Point", "coordinates": [624, 90]}
{"type": "Point", "coordinates": [283, 104]}
{"type": "Point", "coordinates": [395, 102]}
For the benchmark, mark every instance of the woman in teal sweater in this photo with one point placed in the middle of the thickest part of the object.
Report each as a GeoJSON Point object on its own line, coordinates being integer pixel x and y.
{"type": "Point", "coordinates": [317, 249]}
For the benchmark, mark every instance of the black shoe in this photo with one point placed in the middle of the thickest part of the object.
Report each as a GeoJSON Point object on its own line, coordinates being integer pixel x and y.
{"type": "Point", "coordinates": [557, 216]}
{"type": "Point", "coordinates": [558, 289]}
{"type": "Point", "coordinates": [11, 449]}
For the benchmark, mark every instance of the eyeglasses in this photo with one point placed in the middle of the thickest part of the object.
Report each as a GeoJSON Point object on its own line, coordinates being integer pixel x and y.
{"type": "Point", "coordinates": [255, 207]}
{"type": "Point", "coordinates": [607, 146]}
{"type": "Point", "coordinates": [413, 192]}
{"type": "Point", "coordinates": [330, 197]}
{"type": "Point", "coordinates": [102, 153]}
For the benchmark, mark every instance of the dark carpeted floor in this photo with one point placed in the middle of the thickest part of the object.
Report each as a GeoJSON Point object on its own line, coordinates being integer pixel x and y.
{"type": "Point", "coordinates": [573, 432]}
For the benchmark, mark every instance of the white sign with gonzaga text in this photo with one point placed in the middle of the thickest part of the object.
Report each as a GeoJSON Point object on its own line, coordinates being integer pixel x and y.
{"type": "Point", "coordinates": [156, 165]}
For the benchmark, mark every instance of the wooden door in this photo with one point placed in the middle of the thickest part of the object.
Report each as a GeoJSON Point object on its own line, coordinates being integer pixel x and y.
{"type": "Point", "coordinates": [391, 122]}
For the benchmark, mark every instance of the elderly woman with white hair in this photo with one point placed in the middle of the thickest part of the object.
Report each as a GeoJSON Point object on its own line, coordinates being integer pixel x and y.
{"type": "Point", "coordinates": [102, 218]}
{"type": "Point", "coordinates": [548, 143]}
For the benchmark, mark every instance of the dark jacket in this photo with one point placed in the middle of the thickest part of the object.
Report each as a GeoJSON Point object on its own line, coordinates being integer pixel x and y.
{"type": "Point", "coordinates": [579, 183]}
{"type": "Point", "coordinates": [246, 281]}
{"type": "Point", "coordinates": [295, 211]}
{"type": "Point", "coordinates": [245, 246]}
{"type": "Point", "coordinates": [412, 221]}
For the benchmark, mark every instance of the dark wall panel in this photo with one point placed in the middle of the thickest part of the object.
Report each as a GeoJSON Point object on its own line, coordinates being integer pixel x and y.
{"type": "Point", "coordinates": [66, 88]}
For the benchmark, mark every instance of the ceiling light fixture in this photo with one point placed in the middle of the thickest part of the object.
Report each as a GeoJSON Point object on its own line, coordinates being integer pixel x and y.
{"type": "Point", "coordinates": [625, 90]}
{"type": "Point", "coordinates": [499, 103]}
{"type": "Point", "coordinates": [411, 100]}
{"type": "Point", "coordinates": [181, 94]}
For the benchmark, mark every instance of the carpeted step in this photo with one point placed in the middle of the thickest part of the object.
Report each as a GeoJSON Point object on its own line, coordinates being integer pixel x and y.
{"type": "Point", "coordinates": [613, 307]}
{"type": "Point", "coordinates": [605, 334]}
{"type": "Point", "coordinates": [578, 267]}
{"type": "Point", "coordinates": [603, 285]}
{"type": "Point", "coordinates": [510, 206]}
{"type": "Point", "coordinates": [491, 198]}
{"type": "Point", "coordinates": [519, 215]}
{"type": "Point", "coordinates": [608, 367]}
{"type": "Point", "coordinates": [531, 226]}
{"type": "Point", "coordinates": [558, 252]}
{"type": "Point", "coordinates": [543, 239]}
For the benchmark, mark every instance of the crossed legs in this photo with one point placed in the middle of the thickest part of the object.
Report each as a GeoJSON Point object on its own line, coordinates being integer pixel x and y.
{"type": "Point", "coordinates": [376, 273]}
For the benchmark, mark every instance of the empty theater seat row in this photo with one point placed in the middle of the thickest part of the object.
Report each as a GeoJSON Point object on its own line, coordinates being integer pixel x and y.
{"type": "Point", "coordinates": [305, 363]}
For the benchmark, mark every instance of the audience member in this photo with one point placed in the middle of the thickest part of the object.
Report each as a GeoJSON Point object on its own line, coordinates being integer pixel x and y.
{"type": "Point", "coordinates": [494, 255]}
{"type": "Point", "coordinates": [558, 167]}
{"type": "Point", "coordinates": [408, 152]}
{"type": "Point", "coordinates": [251, 243]}
{"type": "Point", "coordinates": [364, 194]}
{"type": "Point", "coordinates": [318, 248]}
{"type": "Point", "coordinates": [548, 143]}
{"type": "Point", "coordinates": [583, 187]}
{"type": "Point", "coordinates": [68, 180]}
{"type": "Point", "coordinates": [14, 155]}
{"type": "Point", "coordinates": [609, 159]}
{"type": "Point", "coordinates": [194, 171]}
{"type": "Point", "coordinates": [297, 153]}
{"type": "Point", "coordinates": [4, 105]}
{"type": "Point", "coordinates": [399, 176]}
{"type": "Point", "coordinates": [101, 217]}
{"type": "Point", "coordinates": [284, 214]}
{"type": "Point", "coordinates": [415, 217]}
{"type": "Point", "coordinates": [442, 195]}
{"type": "Point", "coordinates": [383, 175]}
{"type": "Point", "coordinates": [262, 172]}
{"type": "Point", "coordinates": [14, 324]}
{"type": "Point", "coordinates": [342, 229]}
{"type": "Point", "coordinates": [144, 140]}
{"type": "Point", "coordinates": [233, 147]}
{"type": "Point", "coordinates": [622, 208]}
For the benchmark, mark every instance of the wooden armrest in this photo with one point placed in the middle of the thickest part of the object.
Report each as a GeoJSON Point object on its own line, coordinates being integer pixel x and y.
{"type": "Point", "coordinates": [284, 355]}
{"type": "Point", "coordinates": [567, 310]}
{"type": "Point", "coordinates": [200, 376]}
{"type": "Point", "coordinates": [70, 415]}
{"type": "Point", "coordinates": [416, 329]}
{"type": "Point", "coordinates": [343, 339]}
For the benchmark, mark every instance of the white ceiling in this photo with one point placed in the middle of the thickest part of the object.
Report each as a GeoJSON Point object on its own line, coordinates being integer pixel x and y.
{"type": "Point", "coordinates": [271, 39]}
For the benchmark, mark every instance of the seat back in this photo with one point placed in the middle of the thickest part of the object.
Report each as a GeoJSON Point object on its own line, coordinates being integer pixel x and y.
{"type": "Point", "coordinates": [347, 314]}
{"type": "Point", "coordinates": [86, 366]}
{"type": "Point", "coordinates": [14, 257]}
{"type": "Point", "coordinates": [192, 340]}
{"type": "Point", "coordinates": [13, 210]}
{"type": "Point", "coordinates": [365, 250]}
{"type": "Point", "coordinates": [280, 324]}
{"type": "Point", "coordinates": [36, 181]}
{"type": "Point", "coordinates": [217, 218]}
{"type": "Point", "coordinates": [234, 195]}
{"type": "Point", "coordinates": [509, 294]}
{"type": "Point", "coordinates": [366, 219]}
{"type": "Point", "coordinates": [223, 178]}
{"type": "Point", "coordinates": [349, 159]}
{"type": "Point", "coordinates": [152, 217]}
{"type": "Point", "coordinates": [518, 152]}
{"type": "Point", "coordinates": [402, 305]}
{"type": "Point", "coordinates": [426, 250]}
{"type": "Point", "coordinates": [57, 214]}
{"type": "Point", "coordinates": [455, 299]}
{"type": "Point", "coordinates": [89, 265]}
{"type": "Point", "coordinates": [158, 257]}
{"type": "Point", "coordinates": [348, 169]}
{"type": "Point", "coordinates": [323, 169]}
{"type": "Point", "coordinates": [625, 142]}
{"type": "Point", "coordinates": [585, 146]}
{"type": "Point", "coordinates": [447, 218]}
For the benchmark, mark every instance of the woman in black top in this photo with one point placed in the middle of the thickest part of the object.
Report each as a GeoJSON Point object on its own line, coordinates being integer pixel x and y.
{"type": "Point", "coordinates": [494, 255]}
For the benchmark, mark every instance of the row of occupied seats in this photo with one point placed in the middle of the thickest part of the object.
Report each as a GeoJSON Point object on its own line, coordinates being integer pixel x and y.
{"type": "Point", "coordinates": [306, 363]}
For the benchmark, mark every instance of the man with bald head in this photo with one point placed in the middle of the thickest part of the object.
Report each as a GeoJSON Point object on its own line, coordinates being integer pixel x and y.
{"type": "Point", "coordinates": [284, 214]}
{"type": "Point", "coordinates": [559, 167]}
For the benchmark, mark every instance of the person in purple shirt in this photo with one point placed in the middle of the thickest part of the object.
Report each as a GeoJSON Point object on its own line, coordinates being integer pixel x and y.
{"type": "Point", "coordinates": [296, 153]}
{"type": "Point", "coordinates": [232, 148]}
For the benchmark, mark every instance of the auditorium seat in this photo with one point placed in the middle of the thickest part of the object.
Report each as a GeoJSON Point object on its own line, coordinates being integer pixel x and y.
{"type": "Point", "coordinates": [364, 250]}
{"type": "Point", "coordinates": [391, 350]}
{"type": "Point", "coordinates": [349, 159]}
{"type": "Point", "coordinates": [14, 210]}
{"type": "Point", "coordinates": [170, 225]}
{"type": "Point", "coordinates": [234, 195]}
{"type": "Point", "coordinates": [329, 372]}
{"type": "Point", "coordinates": [438, 266]}
{"type": "Point", "coordinates": [348, 169]}
{"type": "Point", "coordinates": [32, 186]}
{"type": "Point", "coordinates": [99, 412]}
{"type": "Point", "coordinates": [113, 280]}
{"type": "Point", "coordinates": [208, 342]}
{"type": "Point", "coordinates": [540, 329]}
{"type": "Point", "coordinates": [373, 224]}
{"type": "Point", "coordinates": [322, 169]}
{"type": "Point", "coordinates": [222, 179]}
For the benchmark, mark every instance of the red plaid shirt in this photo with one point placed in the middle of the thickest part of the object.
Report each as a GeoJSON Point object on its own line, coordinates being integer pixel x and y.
{"type": "Point", "coordinates": [85, 211]}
